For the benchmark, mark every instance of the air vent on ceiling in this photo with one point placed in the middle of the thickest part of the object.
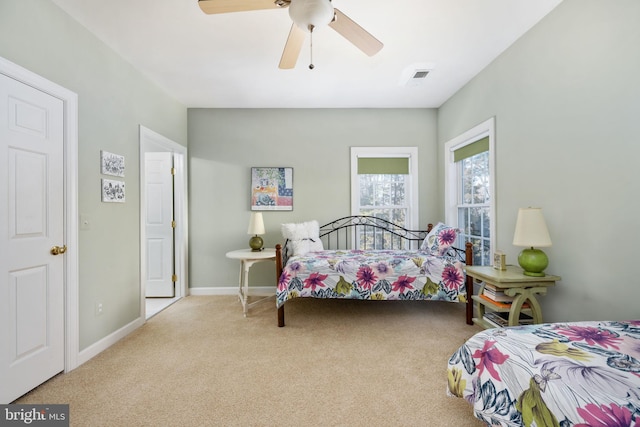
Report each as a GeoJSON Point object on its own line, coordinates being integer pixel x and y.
{"type": "Point", "coordinates": [420, 74]}
{"type": "Point", "coordinates": [414, 76]}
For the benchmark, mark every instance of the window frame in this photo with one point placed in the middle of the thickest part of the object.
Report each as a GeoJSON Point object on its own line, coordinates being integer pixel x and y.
{"type": "Point", "coordinates": [412, 178]}
{"type": "Point", "coordinates": [452, 178]}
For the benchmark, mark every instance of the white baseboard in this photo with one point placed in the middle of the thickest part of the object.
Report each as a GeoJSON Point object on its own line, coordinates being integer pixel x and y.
{"type": "Point", "coordinates": [232, 290]}
{"type": "Point", "coordinates": [106, 342]}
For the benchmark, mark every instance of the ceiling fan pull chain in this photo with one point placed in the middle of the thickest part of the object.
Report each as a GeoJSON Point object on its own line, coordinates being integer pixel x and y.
{"type": "Point", "coordinates": [311, 66]}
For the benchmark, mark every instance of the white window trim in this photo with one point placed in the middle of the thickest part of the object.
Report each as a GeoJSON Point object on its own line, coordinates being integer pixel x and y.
{"type": "Point", "coordinates": [408, 152]}
{"type": "Point", "coordinates": [484, 129]}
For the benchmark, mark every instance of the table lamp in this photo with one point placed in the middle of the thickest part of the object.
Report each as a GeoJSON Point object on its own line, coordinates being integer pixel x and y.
{"type": "Point", "coordinates": [531, 230]}
{"type": "Point", "coordinates": [256, 226]}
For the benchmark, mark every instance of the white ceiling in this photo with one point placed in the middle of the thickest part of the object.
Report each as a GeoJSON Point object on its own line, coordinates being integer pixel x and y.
{"type": "Point", "coordinates": [231, 60]}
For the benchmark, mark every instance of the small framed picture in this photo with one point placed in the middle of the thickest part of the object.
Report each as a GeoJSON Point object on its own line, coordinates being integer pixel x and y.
{"type": "Point", "coordinates": [113, 191]}
{"type": "Point", "coordinates": [499, 260]}
{"type": "Point", "coordinates": [272, 189]}
{"type": "Point", "coordinates": [111, 164]}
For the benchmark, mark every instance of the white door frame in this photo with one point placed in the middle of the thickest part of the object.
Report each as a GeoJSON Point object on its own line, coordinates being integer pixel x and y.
{"type": "Point", "coordinates": [70, 106]}
{"type": "Point", "coordinates": [151, 141]}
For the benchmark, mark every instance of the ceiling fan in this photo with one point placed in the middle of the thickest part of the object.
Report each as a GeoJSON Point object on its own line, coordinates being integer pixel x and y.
{"type": "Point", "coordinates": [306, 15]}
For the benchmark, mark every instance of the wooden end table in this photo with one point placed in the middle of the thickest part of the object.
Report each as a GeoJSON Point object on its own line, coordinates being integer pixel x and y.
{"type": "Point", "coordinates": [514, 284]}
{"type": "Point", "coordinates": [247, 258]}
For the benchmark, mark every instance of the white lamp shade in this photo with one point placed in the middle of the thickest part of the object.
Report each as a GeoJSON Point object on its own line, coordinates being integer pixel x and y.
{"type": "Point", "coordinates": [531, 229]}
{"type": "Point", "coordinates": [256, 224]}
{"type": "Point", "coordinates": [316, 13]}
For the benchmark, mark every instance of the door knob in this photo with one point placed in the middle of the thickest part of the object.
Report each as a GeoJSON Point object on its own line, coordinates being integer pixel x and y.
{"type": "Point", "coordinates": [57, 250]}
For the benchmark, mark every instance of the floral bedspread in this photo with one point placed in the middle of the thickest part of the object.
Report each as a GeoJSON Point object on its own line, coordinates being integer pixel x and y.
{"type": "Point", "coordinates": [556, 374]}
{"type": "Point", "coordinates": [375, 275]}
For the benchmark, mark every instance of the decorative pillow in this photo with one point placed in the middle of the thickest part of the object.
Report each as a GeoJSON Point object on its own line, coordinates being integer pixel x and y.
{"type": "Point", "coordinates": [440, 239]}
{"type": "Point", "coordinates": [302, 247]}
{"type": "Point", "coordinates": [303, 236]}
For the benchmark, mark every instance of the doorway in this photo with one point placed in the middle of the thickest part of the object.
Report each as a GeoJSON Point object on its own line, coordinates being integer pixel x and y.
{"type": "Point", "coordinates": [163, 223]}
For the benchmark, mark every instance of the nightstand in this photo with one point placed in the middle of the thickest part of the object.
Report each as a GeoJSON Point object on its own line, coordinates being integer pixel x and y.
{"type": "Point", "coordinates": [514, 284]}
{"type": "Point", "coordinates": [247, 258]}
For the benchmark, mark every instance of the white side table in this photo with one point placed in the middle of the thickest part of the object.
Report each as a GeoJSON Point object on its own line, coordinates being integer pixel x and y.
{"type": "Point", "coordinates": [247, 258]}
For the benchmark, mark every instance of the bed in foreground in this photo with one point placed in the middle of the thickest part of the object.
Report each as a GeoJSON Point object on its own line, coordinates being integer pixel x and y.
{"type": "Point", "coordinates": [411, 265]}
{"type": "Point", "coordinates": [555, 374]}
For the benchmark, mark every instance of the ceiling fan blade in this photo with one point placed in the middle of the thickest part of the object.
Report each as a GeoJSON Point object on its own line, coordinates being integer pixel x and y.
{"type": "Point", "coordinates": [227, 6]}
{"type": "Point", "coordinates": [357, 35]}
{"type": "Point", "coordinates": [292, 48]}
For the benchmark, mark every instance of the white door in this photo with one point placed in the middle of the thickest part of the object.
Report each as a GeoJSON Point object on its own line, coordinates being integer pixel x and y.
{"type": "Point", "coordinates": [31, 223]}
{"type": "Point", "coordinates": [159, 225]}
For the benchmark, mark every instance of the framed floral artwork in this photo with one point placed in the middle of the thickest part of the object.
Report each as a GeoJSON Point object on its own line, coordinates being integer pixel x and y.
{"type": "Point", "coordinates": [113, 191]}
{"type": "Point", "coordinates": [271, 189]}
{"type": "Point", "coordinates": [111, 164]}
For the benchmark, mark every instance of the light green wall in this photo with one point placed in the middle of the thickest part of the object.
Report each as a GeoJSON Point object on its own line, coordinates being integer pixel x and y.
{"type": "Point", "coordinates": [566, 99]}
{"type": "Point", "coordinates": [113, 100]}
{"type": "Point", "coordinates": [225, 143]}
{"type": "Point", "coordinates": [566, 102]}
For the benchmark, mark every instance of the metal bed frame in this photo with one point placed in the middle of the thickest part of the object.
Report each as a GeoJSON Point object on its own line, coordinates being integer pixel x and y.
{"type": "Point", "coordinates": [368, 232]}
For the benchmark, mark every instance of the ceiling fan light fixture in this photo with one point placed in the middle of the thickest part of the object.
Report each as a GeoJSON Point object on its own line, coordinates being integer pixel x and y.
{"type": "Point", "coordinates": [309, 14]}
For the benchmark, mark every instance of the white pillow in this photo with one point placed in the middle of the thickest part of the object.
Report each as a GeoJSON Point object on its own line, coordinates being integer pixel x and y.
{"type": "Point", "coordinates": [303, 236]}
{"type": "Point", "coordinates": [301, 247]}
{"type": "Point", "coordinates": [301, 230]}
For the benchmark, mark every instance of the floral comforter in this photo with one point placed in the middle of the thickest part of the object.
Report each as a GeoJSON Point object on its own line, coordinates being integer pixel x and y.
{"type": "Point", "coordinates": [375, 275]}
{"type": "Point", "coordinates": [557, 374]}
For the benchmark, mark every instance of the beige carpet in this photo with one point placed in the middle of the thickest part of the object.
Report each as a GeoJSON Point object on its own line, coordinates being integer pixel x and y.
{"type": "Point", "coordinates": [336, 363]}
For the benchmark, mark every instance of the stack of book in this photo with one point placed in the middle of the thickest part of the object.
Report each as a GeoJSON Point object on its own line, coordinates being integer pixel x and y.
{"type": "Point", "coordinates": [496, 294]}
{"type": "Point", "coordinates": [502, 304]}
{"type": "Point", "coordinates": [501, 319]}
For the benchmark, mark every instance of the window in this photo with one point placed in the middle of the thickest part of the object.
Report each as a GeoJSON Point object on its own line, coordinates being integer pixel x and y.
{"type": "Point", "coordinates": [384, 185]}
{"type": "Point", "coordinates": [469, 189]}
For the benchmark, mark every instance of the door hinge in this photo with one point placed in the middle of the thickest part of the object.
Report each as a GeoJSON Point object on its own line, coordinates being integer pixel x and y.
{"type": "Point", "coordinates": [173, 171]}
{"type": "Point", "coordinates": [174, 278]}
{"type": "Point", "coordinates": [173, 224]}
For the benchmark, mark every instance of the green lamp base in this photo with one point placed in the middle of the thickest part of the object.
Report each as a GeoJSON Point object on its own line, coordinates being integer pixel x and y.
{"type": "Point", "coordinates": [255, 243]}
{"type": "Point", "coordinates": [533, 262]}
